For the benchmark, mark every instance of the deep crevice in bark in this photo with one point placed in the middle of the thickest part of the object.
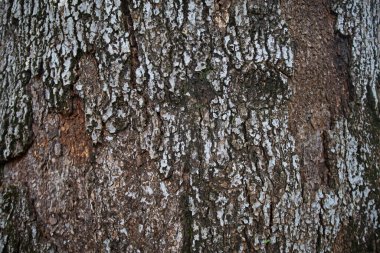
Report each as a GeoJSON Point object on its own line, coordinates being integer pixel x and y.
{"type": "Point", "coordinates": [128, 24]}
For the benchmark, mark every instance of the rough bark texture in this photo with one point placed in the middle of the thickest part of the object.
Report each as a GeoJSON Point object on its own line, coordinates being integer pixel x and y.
{"type": "Point", "coordinates": [189, 125]}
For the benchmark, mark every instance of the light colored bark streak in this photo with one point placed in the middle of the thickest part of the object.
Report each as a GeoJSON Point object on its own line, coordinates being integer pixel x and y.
{"type": "Point", "coordinates": [360, 20]}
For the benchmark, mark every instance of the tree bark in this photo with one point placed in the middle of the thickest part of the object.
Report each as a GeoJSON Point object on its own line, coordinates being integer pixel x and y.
{"type": "Point", "coordinates": [189, 126]}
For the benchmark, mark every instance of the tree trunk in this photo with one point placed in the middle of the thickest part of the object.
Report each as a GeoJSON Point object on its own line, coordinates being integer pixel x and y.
{"type": "Point", "coordinates": [189, 126]}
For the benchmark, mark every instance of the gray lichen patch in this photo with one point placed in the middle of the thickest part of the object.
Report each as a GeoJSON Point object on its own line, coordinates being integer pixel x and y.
{"type": "Point", "coordinates": [16, 115]}
{"type": "Point", "coordinates": [359, 20]}
{"type": "Point", "coordinates": [125, 37]}
{"type": "Point", "coordinates": [49, 38]}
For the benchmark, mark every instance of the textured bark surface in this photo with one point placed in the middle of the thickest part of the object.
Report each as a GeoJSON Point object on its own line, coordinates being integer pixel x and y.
{"type": "Point", "coordinates": [193, 126]}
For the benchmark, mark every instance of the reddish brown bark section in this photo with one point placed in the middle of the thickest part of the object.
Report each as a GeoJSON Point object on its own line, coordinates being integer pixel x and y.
{"type": "Point", "coordinates": [320, 86]}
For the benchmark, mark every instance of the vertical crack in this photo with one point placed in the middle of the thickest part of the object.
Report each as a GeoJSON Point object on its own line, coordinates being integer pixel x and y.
{"type": "Point", "coordinates": [187, 214]}
{"type": "Point", "coordinates": [128, 24]}
{"type": "Point", "coordinates": [327, 176]}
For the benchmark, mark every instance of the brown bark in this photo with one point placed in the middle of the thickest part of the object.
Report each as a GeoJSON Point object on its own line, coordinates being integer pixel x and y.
{"type": "Point", "coordinates": [193, 126]}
